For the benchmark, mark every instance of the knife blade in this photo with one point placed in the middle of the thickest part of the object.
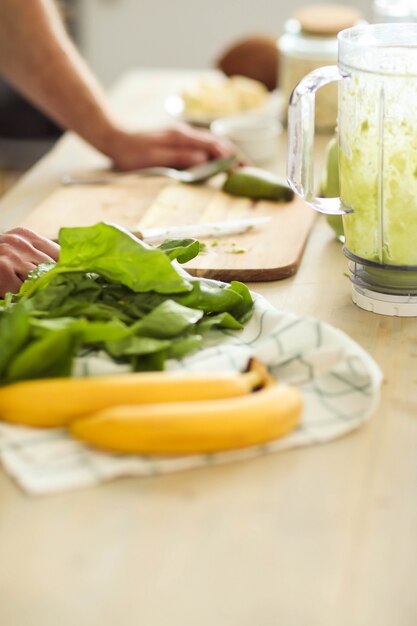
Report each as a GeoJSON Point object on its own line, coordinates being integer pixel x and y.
{"type": "Point", "coordinates": [209, 229]}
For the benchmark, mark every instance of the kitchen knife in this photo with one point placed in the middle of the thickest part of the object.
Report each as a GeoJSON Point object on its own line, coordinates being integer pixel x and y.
{"type": "Point", "coordinates": [209, 229]}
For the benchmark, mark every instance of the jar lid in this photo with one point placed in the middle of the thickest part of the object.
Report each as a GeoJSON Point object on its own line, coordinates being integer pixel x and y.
{"type": "Point", "coordinates": [326, 20]}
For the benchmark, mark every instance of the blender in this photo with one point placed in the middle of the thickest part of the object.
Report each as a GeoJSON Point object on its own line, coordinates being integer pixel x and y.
{"type": "Point", "coordinates": [377, 139]}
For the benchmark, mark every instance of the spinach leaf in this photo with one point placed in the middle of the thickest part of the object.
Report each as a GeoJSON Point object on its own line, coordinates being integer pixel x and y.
{"type": "Point", "coordinates": [136, 346]}
{"type": "Point", "coordinates": [88, 332]}
{"type": "Point", "coordinates": [120, 257]}
{"type": "Point", "coordinates": [210, 297]}
{"type": "Point", "coordinates": [7, 302]}
{"type": "Point", "coordinates": [91, 310]}
{"type": "Point", "coordinates": [49, 356]}
{"type": "Point", "coordinates": [181, 249]}
{"type": "Point", "coordinates": [149, 362]}
{"type": "Point", "coordinates": [168, 319]}
{"type": "Point", "coordinates": [242, 311]}
{"type": "Point", "coordinates": [14, 333]}
{"type": "Point", "coordinates": [181, 347]}
{"type": "Point", "coordinates": [115, 254]}
{"type": "Point", "coordinates": [64, 291]}
{"type": "Point", "coordinates": [221, 320]}
{"type": "Point", "coordinates": [137, 305]}
{"type": "Point", "coordinates": [41, 326]}
{"type": "Point", "coordinates": [93, 332]}
{"type": "Point", "coordinates": [34, 277]}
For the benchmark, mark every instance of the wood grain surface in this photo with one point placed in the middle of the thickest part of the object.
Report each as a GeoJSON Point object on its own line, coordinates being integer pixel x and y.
{"type": "Point", "coordinates": [319, 536]}
{"type": "Point", "coordinates": [267, 252]}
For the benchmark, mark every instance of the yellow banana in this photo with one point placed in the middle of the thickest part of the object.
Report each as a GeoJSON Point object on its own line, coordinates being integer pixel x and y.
{"type": "Point", "coordinates": [193, 427]}
{"type": "Point", "coordinates": [56, 401]}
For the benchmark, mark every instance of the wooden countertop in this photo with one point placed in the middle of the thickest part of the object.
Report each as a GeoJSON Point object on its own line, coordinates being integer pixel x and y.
{"type": "Point", "coordinates": [318, 536]}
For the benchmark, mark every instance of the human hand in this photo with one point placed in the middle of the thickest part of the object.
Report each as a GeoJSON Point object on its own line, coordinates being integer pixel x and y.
{"type": "Point", "coordinates": [178, 147]}
{"type": "Point", "coordinates": [21, 250]}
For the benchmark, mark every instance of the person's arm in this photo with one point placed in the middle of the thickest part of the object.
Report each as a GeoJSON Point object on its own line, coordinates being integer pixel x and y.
{"type": "Point", "coordinates": [39, 59]}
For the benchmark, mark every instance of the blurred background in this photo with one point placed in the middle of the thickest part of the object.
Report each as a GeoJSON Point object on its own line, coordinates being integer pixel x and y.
{"type": "Point", "coordinates": [118, 35]}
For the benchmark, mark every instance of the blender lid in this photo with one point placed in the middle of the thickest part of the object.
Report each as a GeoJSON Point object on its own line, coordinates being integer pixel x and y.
{"type": "Point", "coordinates": [384, 303]}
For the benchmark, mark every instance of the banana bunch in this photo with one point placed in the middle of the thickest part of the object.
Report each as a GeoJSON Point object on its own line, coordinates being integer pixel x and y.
{"type": "Point", "coordinates": [159, 413]}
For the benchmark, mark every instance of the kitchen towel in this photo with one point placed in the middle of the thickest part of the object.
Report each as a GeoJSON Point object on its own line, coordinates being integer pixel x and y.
{"type": "Point", "coordinates": [339, 381]}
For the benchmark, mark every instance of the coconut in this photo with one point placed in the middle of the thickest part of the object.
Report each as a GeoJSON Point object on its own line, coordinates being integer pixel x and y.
{"type": "Point", "coordinates": [255, 57]}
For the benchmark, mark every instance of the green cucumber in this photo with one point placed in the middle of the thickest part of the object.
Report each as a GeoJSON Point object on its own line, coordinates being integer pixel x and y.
{"type": "Point", "coordinates": [251, 182]}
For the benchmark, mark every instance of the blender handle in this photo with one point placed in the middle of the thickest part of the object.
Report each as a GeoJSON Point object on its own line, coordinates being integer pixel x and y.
{"type": "Point", "coordinates": [300, 170]}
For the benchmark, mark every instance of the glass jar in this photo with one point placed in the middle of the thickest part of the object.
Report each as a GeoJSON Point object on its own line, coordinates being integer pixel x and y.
{"type": "Point", "coordinates": [310, 41]}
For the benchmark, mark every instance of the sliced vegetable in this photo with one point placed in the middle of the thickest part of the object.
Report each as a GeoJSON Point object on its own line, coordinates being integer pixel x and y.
{"type": "Point", "coordinates": [251, 182]}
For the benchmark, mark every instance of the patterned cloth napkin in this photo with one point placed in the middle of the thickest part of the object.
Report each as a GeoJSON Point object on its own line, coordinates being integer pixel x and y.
{"type": "Point", "coordinates": [339, 381]}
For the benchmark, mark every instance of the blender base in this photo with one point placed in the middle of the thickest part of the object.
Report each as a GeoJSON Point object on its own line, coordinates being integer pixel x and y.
{"type": "Point", "coordinates": [384, 303]}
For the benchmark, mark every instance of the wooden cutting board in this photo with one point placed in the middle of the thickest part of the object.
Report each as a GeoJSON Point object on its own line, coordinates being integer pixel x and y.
{"type": "Point", "coordinates": [267, 252]}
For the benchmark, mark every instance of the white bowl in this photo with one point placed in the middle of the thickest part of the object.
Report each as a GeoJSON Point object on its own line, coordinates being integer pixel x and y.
{"type": "Point", "coordinates": [256, 136]}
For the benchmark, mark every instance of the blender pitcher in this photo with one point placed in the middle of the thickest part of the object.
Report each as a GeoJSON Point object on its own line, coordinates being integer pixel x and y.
{"type": "Point", "coordinates": [377, 134]}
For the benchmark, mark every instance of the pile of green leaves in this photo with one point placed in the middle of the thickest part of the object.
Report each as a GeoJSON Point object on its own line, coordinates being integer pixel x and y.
{"type": "Point", "coordinates": [109, 291]}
